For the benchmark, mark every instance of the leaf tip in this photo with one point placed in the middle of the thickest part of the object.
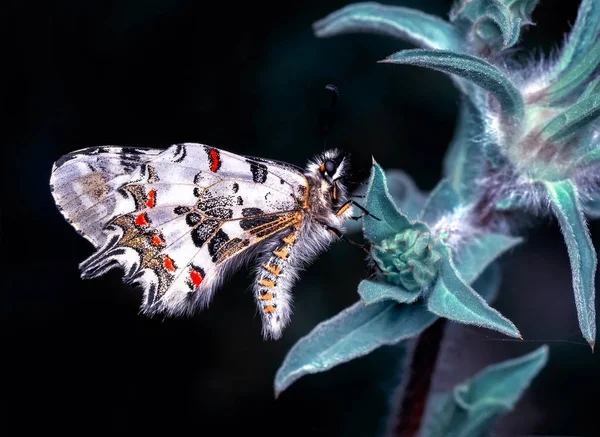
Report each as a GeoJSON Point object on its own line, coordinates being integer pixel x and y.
{"type": "Point", "coordinates": [592, 344]}
{"type": "Point", "coordinates": [384, 61]}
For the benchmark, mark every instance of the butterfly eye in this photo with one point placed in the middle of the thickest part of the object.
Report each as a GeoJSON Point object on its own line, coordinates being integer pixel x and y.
{"type": "Point", "coordinates": [329, 167]}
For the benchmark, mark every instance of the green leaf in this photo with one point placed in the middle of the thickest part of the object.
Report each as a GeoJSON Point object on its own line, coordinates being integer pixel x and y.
{"type": "Point", "coordinates": [373, 292]}
{"type": "Point", "coordinates": [591, 88]}
{"type": "Point", "coordinates": [353, 333]}
{"type": "Point", "coordinates": [568, 210]}
{"type": "Point", "coordinates": [455, 300]}
{"type": "Point", "coordinates": [406, 196]}
{"type": "Point", "coordinates": [573, 120]}
{"type": "Point", "coordinates": [583, 34]}
{"type": "Point", "coordinates": [474, 255]}
{"type": "Point", "coordinates": [469, 67]}
{"type": "Point", "coordinates": [471, 409]}
{"type": "Point", "coordinates": [442, 200]}
{"type": "Point", "coordinates": [576, 75]}
{"type": "Point", "coordinates": [380, 204]}
{"type": "Point", "coordinates": [412, 25]}
{"type": "Point", "coordinates": [464, 163]}
{"type": "Point", "coordinates": [360, 329]}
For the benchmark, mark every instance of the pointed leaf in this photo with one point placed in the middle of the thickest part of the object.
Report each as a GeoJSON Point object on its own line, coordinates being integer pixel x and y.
{"type": "Point", "coordinates": [353, 333]}
{"type": "Point", "coordinates": [406, 196]}
{"type": "Point", "coordinates": [591, 88]}
{"type": "Point", "coordinates": [360, 329]}
{"type": "Point", "coordinates": [474, 405]}
{"type": "Point", "coordinates": [380, 204]}
{"type": "Point", "coordinates": [442, 200]}
{"type": "Point", "coordinates": [455, 300]}
{"type": "Point", "coordinates": [583, 34]}
{"type": "Point", "coordinates": [576, 75]}
{"type": "Point", "coordinates": [372, 292]}
{"type": "Point", "coordinates": [573, 119]}
{"type": "Point", "coordinates": [469, 67]}
{"type": "Point", "coordinates": [474, 255]}
{"type": "Point", "coordinates": [567, 209]}
{"type": "Point", "coordinates": [464, 163]}
{"type": "Point", "coordinates": [412, 25]}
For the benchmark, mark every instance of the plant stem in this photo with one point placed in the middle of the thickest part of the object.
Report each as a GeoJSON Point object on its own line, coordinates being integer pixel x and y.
{"type": "Point", "coordinates": [424, 359]}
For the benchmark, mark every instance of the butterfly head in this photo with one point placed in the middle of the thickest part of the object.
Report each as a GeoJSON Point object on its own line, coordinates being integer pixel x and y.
{"type": "Point", "coordinates": [329, 173]}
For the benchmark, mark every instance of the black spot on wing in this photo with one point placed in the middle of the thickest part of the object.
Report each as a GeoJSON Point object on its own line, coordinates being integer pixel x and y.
{"type": "Point", "coordinates": [259, 171]}
{"type": "Point", "coordinates": [217, 242]}
{"type": "Point", "coordinates": [180, 210]}
{"type": "Point", "coordinates": [152, 175]}
{"type": "Point", "coordinates": [180, 153]}
{"type": "Point", "coordinates": [250, 212]}
{"type": "Point", "coordinates": [192, 219]}
{"type": "Point", "coordinates": [240, 201]}
{"type": "Point", "coordinates": [220, 213]}
{"type": "Point", "coordinates": [251, 223]}
{"type": "Point", "coordinates": [235, 187]}
{"type": "Point", "coordinates": [202, 233]}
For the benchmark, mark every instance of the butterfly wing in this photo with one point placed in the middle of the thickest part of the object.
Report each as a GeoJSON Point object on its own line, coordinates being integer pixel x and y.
{"type": "Point", "coordinates": [175, 220]}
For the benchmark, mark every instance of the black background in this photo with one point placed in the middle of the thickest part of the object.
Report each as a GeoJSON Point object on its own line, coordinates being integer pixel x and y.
{"type": "Point", "coordinates": [248, 78]}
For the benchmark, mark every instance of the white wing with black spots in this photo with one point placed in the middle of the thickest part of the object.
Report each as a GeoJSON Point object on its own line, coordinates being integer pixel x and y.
{"type": "Point", "coordinates": [176, 221]}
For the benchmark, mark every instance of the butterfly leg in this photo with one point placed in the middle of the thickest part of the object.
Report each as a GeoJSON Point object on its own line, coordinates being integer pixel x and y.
{"type": "Point", "coordinates": [276, 274]}
{"type": "Point", "coordinates": [342, 209]}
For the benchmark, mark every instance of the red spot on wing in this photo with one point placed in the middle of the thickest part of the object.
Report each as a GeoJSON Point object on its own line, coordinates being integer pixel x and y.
{"type": "Point", "coordinates": [215, 161]}
{"type": "Point", "coordinates": [168, 263]}
{"type": "Point", "coordinates": [196, 278]}
{"type": "Point", "coordinates": [156, 240]}
{"type": "Point", "coordinates": [151, 200]}
{"type": "Point", "coordinates": [142, 219]}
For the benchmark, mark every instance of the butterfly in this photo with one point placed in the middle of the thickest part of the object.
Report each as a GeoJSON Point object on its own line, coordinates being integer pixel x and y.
{"type": "Point", "coordinates": [178, 221]}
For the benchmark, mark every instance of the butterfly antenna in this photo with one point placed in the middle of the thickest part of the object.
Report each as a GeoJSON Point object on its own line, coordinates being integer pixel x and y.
{"type": "Point", "coordinates": [328, 118]}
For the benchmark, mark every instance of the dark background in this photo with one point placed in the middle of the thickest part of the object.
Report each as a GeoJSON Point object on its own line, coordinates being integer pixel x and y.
{"type": "Point", "coordinates": [249, 78]}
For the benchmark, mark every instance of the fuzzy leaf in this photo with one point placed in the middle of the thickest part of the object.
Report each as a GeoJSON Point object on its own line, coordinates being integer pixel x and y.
{"type": "Point", "coordinates": [412, 25]}
{"type": "Point", "coordinates": [573, 120]}
{"type": "Point", "coordinates": [475, 255]}
{"type": "Point", "coordinates": [471, 409]}
{"type": "Point", "coordinates": [583, 34]}
{"type": "Point", "coordinates": [568, 210]}
{"type": "Point", "coordinates": [360, 329]}
{"type": "Point", "coordinates": [380, 204]}
{"type": "Point", "coordinates": [406, 196]}
{"type": "Point", "coordinates": [464, 164]}
{"type": "Point", "coordinates": [455, 300]}
{"type": "Point", "coordinates": [353, 333]}
{"type": "Point", "coordinates": [442, 200]}
{"type": "Point", "coordinates": [373, 292]}
{"type": "Point", "coordinates": [576, 75]}
{"type": "Point", "coordinates": [469, 67]}
{"type": "Point", "coordinates": [591, 88]}
{"type": "Point", "coordinates": [494, 22]}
